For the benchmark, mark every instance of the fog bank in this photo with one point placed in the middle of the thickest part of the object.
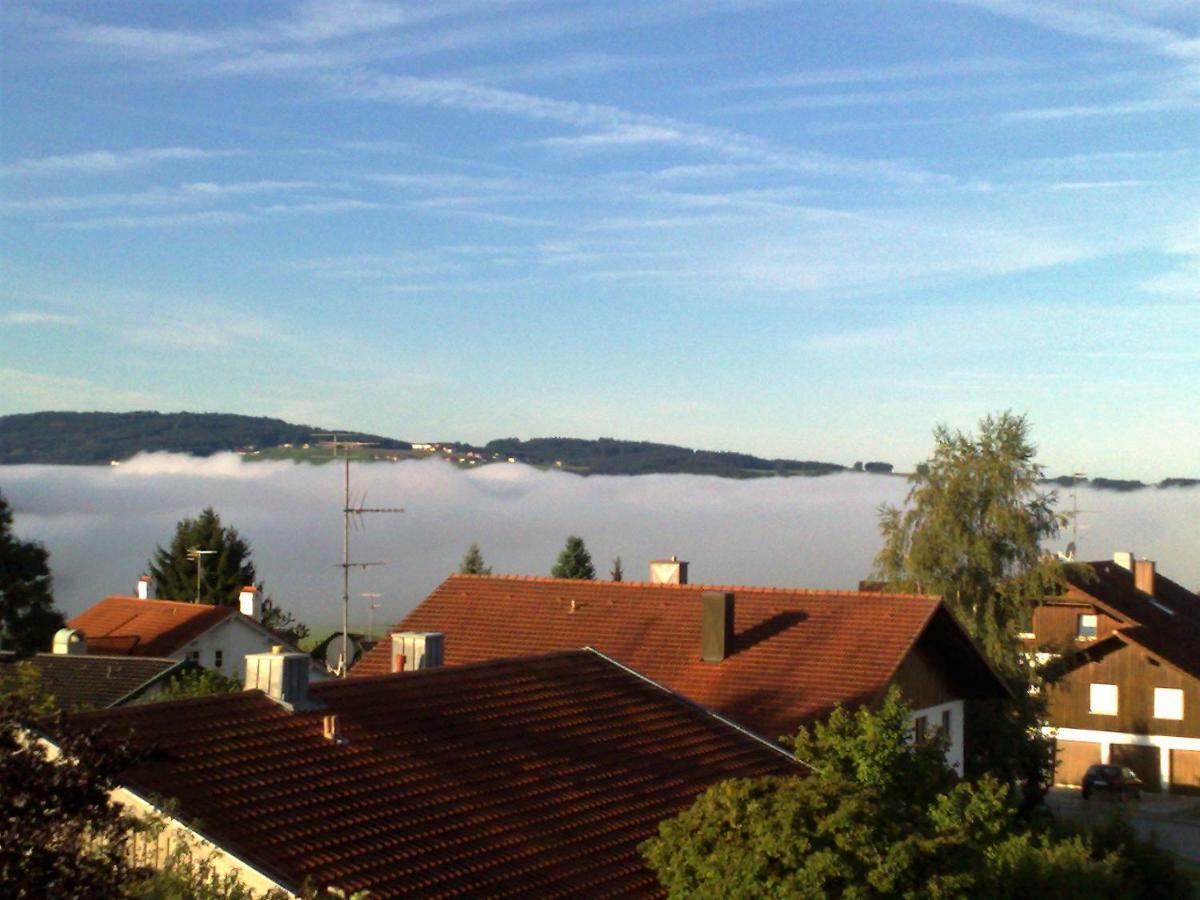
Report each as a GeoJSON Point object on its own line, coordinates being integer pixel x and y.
{"type": "Point", "coordinates": [101, 525]}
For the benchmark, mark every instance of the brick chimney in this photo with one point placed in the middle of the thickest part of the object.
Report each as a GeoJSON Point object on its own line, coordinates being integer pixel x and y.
{"type": "Point", "coordinates": [1143, 576]}
{"type": "Point", "coordinates": [716, 625]}
{"type": "Point", "coordinates": [143, 588]}
{"type": "Point", "coordinates": [668, 571]}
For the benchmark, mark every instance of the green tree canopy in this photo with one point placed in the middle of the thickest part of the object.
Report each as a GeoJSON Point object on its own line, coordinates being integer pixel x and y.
{"type": "Point", "coordinates": [877, 818]}
{"type": "Point", "coordinates": [225, 572]}
{"type": "Point", "coordinates": [574, 561]}
{"type": "Point", "coordinates": [28, 618]}
{"type": "Point", "coordinates": [472, 562]}
{"type": "Point", "coordinates": [971, 531]}
{"type": "Point", "coordinates": [196, 683]}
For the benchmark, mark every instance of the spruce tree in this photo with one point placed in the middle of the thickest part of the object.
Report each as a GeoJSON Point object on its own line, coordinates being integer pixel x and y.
{"type": "Point", "coordinates": [225, 572]}
{"type": "Point", "coordinates": [574, 561]}
{"type": "Point", "coordinates": [472, 562]}
{"type": "Point", "coordinates": [28, 618]}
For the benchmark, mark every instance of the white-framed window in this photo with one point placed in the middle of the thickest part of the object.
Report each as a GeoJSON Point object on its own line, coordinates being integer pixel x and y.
{"type": "Point", "coordinates": [1168, 703]}
{"type": "Point", "coordinates": [1087, 626]}
{"type": "Point", "coordinates": [1103, 700]}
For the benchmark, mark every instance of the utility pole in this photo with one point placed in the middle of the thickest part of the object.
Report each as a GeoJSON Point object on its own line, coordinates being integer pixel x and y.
{"type": "Point", "coordinates": [198, 555]}
{"type": "Point", "coordinates": [349, 511]}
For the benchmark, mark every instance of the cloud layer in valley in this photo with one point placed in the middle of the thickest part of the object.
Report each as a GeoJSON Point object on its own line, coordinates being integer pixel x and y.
{"type": "Point", "coordinates": [101, 525]}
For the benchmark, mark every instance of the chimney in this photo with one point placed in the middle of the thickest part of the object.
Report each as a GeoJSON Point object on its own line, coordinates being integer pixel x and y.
{"type": "Point", "coordinates": [1124, 559]}
{"type": "Point", "coordinates": [716, 625]}
{"type": "Point", "coordinates": [250, 602]}
{"type": "Point", "coordinates": [143, 588]}
{"type": "Point", "coordinates": [412, 650]}
{"type": "Point", "coordinates": [1143, 576]}
{"type": "Point", "coordinates": [668, 571]}
{"type": "Point", "coordinates": [330, 729]}
{"type": "Point", "coordinates": [281, 676]}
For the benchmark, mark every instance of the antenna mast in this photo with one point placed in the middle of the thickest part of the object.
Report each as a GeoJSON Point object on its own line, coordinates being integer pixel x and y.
{"type": "Point", "coordinates": [371, 607]}
{"type": "Point", "coordinates": [198, 555]}
{"type": "Point", "coordinates": [349, 512]}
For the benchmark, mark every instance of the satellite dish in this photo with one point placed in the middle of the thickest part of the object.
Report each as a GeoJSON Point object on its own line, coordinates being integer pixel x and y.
{"type": "Point", "coordinates": [333, 651]}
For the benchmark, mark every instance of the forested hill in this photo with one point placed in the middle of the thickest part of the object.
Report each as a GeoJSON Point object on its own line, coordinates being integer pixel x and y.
{"type": "Point", "coordinates": [607, 456]}
{"type": "Point", "coordinates": [83, 438]}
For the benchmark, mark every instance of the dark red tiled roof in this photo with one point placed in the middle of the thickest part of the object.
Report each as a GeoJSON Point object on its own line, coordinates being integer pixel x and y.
{"type": "Point", "coordinates": [1167, 624]}
{"type": "Point", "coordinates": [531, 777]}
{"type": "Point", "coordinates": [796, 654]}
{"type": "Point", "coordinates": [95, 682]}
{"type": "Point", "coordinates": [134, 627]}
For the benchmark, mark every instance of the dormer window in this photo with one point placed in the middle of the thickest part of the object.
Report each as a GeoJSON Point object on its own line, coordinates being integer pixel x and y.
{"type": "Point", "coordinates": [1087, 627]}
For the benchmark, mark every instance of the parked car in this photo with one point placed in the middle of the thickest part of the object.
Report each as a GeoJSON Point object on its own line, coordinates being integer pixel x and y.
{"type": "Point", "coordinates": [1117, 781]}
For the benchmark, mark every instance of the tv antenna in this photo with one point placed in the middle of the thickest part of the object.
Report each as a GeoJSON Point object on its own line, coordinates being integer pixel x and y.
{"type": "Point", "coordinates": [1073, 547]}
{"type": "Point", "coordinates": [198, 555]}
{"type": "Point", "coordinates": [350, 514]}
{"type": "Point", "coordinates": [371, 607]}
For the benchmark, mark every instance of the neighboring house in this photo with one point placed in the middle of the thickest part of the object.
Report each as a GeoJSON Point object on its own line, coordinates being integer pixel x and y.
{"type": "Point", "coordinates": [1129, 642]}
{"type": "Point", "coordinates": [537, 777]}
{"type": "Point", "coordinates": [771, 659]}
{"type": "Point", "coordinates": [78, 682]}
{"type": "Point", "coordinates": [216, 637]}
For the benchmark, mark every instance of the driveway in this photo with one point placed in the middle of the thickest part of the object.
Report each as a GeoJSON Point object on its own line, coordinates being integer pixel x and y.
{"type": "Point", "coordinates": [1172, 818]}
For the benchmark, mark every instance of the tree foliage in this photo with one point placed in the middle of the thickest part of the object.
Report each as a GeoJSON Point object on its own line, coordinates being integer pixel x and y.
{"type": "Point", "coordinates": [971, 532]}
{"type": "Point", "coordinates": [224, 573]}
{"type": "Point", "coordinates": [28, 618]}
{"type": "Point", "coordinates": [472, 562]}
{"type": "Point", "coordinates": [574, 561]}
{"type": "Point", "coordinates": [877, 818]}
{"type": "Point", "coordinates": [196, 683]}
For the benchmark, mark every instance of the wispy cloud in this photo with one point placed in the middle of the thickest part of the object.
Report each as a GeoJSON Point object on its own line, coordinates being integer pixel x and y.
{"type": "Point", "coordinates": [29, 317]}
{"type": "Point", "coordinates": [220, 216]}
{"type": "Point", "coordinates": [36, 391]}
{"type": "Point", "coordinates": [108, 160]}
{"type": "Point", "coordinates": [179, 195]}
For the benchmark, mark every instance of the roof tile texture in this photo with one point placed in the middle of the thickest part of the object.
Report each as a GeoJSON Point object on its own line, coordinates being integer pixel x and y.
{"type": "Point", "coordinates": [531, 777]}
{"type": "Point", "coordinates": [796, 654]}
{"type": "Point", "coordinates": [134, 627]}
{"type": "Point", "coordinates": [94, 682]}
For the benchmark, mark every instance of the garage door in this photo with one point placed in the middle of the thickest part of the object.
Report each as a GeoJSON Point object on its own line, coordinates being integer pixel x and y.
{"type": "Point", "coordinates": [1185, 771]}
{"type": "Point", "coordinates": [1074, 757]}
{"type": "Point", "coordinates": [1143, 760]}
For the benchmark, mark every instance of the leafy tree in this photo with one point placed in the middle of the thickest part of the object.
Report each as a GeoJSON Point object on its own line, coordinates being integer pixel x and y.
{"type": "Point", "coordinates": [617, 573]}
{"type": "Point", "coordinates": [28, 618]}
{"type": "Point", "coordinates": [472, 562]}
{"type": "Point", "coordinates": [971, 531]}
{"type": "Point", "coordinates": [196, 683]}
{"type": "Point", "coordinates": [878, 818]}
{"type": "Point", "coordinates": [225, 572]}
{"type": "Point", "coordinates": [574, 561]}
{"type": "Point", "coordinates": [283, 623]}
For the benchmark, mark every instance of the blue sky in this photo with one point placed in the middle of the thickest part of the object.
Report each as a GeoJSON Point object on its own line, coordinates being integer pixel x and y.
{"type": "Point", "coordinates": [803, 229]}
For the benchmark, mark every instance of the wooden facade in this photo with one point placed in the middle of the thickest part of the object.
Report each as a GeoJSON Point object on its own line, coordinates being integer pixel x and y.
{"type": "Point", "coordinates": [1057, 625]}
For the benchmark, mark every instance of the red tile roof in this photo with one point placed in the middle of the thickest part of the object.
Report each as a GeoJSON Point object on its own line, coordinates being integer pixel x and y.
{"type": "Point", "coordinates": [134, 627]}
{"type": "Point", "coordinates": [796, 654]}
{"type": "Point", "coordinates": [530, 777]}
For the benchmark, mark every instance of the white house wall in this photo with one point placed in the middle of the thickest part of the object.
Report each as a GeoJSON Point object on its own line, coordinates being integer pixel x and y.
{"type": "Point", "coordinates": [235, 637]}
{"type": "Point", "coordinates": [955, 753]}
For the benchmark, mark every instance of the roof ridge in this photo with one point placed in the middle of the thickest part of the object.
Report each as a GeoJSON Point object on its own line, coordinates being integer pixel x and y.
{"type": "Point", "coordinates": [648, 585]}
{"type": "Point", "coordinates": [187, 604]}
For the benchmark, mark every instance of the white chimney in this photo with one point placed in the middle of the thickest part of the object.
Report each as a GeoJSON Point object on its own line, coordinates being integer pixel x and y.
{"type": "Point", "coordinates": [1124, 559]}
{"type": "Point", "coordinates": [143, 588]}
{"type": "Point", "coordinates": [281, 676]}
{"type": "Point", "coordinates": [250, 602]}
{"type": "Point", "coordinates": [412, 650]}
{"type": "Point", "coordinates": [668, 571]}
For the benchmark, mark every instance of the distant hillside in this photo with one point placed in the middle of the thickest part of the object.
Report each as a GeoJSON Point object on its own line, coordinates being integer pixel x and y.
{"type": "Point", "coordinates": [607, 456]}
{"type": "Point", "coordinates": [83, 438]}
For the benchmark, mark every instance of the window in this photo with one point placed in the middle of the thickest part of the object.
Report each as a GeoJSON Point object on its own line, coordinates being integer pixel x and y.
{"type": "Point", "coordinates": [218, 658]}
{"type": "Point", "coordinates": [1168, 703]}
{"type": "Point", "coordinates": [194, 656]}
{"type": "Point", "coordinates": [1087, 627]}
{"type": "Point", "coordinates": [1104, 700]}
{"type": "Point", "coordinates": [946, 722]}
{"type": "Point", "coordinates": [919, 726]}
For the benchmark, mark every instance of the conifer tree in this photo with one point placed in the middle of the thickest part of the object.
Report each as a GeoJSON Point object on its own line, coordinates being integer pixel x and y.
{"type": "Point", "coordinates": [224, 573]}
{"type": "Point", "coordinates": [472, 562]}
{"type": "Point", "coordinates": [28, 618]}
{"type": "Point", "coordinates": [574, 561]}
